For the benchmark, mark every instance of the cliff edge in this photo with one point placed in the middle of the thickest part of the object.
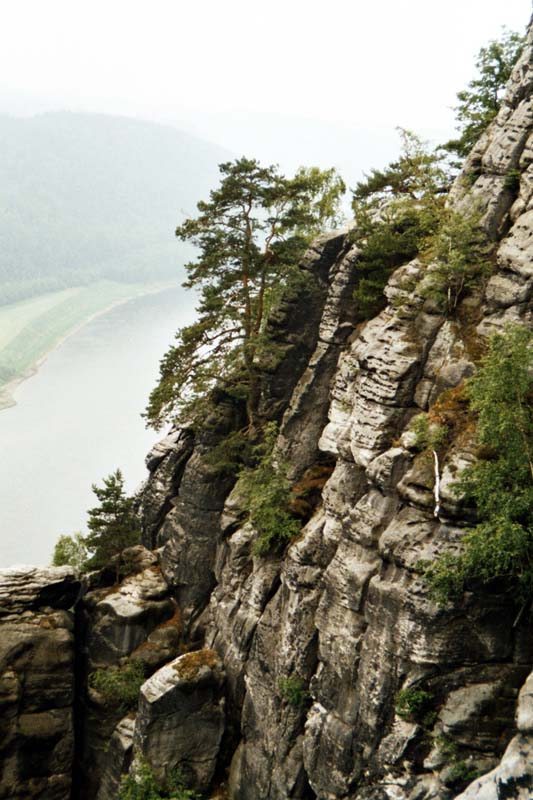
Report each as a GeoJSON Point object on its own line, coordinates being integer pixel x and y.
{"type": "Point", "coordinates": [326, 671]}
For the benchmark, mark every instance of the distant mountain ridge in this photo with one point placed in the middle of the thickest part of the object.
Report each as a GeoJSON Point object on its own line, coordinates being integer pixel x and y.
{"type": "Point", "coordinates": [85, 196]}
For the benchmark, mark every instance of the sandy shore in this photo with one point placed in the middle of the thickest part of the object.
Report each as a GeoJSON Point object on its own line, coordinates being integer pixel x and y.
{"type": "Point", "coordinates": [7, 391]}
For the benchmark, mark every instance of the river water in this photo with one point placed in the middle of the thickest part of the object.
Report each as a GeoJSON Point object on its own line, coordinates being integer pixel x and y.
{"type": "Point", "coordinates": [77, 420]}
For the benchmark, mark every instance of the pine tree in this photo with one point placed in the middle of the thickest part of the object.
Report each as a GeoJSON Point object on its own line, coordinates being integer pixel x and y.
{"type": "Point", "coordinates": [250, 236]}
{"type": "Point", "coordinates": [480, 101]}
{"type": "Point", "coordinates": [113, 524]}
{"type": "Point", "coordinates": [396, 210]}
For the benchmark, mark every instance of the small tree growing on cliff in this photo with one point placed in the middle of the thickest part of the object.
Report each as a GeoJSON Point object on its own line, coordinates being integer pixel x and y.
{"type": "Point", "coordinates": [396, 210]}
{"type": "Point", "coordinates": [250, 234]}
{"type": "Point", "coordinates": [113, 524]}
{"type": "Point", "coordinates": [480, 101]}
{"type": "Point", "coordinates": [499, 549]}
{"type": "Point", "coordinates": [70, 551]}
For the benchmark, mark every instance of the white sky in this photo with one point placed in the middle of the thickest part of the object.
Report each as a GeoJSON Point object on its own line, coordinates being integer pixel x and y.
{"type": "Point", "coordinates": [370, 64]}
{"type": "Point", "coordinates": [340, 59]}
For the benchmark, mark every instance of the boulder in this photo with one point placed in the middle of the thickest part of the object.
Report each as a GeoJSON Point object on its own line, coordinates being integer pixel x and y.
{"type": "Point", "coordinates": [180, 720]}
{"type": "Point", "coordinates": [36, 682]}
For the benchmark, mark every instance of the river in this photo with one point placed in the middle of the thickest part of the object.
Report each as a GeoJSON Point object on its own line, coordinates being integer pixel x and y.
{"type": "Point", "coordinates": [77, 420]}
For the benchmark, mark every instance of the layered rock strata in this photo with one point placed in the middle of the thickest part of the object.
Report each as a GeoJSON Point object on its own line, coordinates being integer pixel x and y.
{"type": "Point", "coordinates": [117, 625]}
{"type": "Point", "coordinates": [36, 682]}
{"type": "Point", "coordinates": [180, 719]}
{"type": "Point", "coordinates": [344, 613]}
{"type": "Point", "coordinates": [297, 672]}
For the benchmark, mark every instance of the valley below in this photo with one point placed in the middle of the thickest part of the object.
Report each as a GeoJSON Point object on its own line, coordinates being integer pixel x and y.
{"type": "Point", "coordinates": [79, 417]}
{"type": "Point", "coordinates": [31, 329]}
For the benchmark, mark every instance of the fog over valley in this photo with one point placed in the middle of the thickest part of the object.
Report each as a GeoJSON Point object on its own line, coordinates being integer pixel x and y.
{"type": "Point", "coordinates": [94, 179]}
{"type": "Point", "coordinates": [266, 400]}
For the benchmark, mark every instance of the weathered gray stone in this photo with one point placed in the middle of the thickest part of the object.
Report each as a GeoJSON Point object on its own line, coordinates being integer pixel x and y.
{"type": "Point", "coordinates": [345, 611]}
{"type": "Point", "coordinates": [136, 619]}
{"type": "Point", "coordinates": [36, 682]}
{"type": "Point", "coordinates": [516, 251]}
{"type": "Point", "coordinates": [166, 462]}
{"type": "Point", "coordinates": [512, 778]}
{"type": "Point", "coordinates": [524, 711]}
{"type": "Point", "coordinates": [119, 619]}
{"type": "Point", "coordinates": [180, 720]}
{"type": "Point", "coordinates": [306, 415]}
{"type": "Point", "coordinates": [117, 759]}
{"type": "Point", "coordinates": [23, 588]}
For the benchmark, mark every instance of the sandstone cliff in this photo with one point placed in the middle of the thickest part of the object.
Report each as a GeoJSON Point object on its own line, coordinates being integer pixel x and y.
{"type": "Point", "coordinates": [36, 683]}
{"type": "Point", "coordinates": [344, 611]}
{"type": "Point", "coordinates": [343, 616]}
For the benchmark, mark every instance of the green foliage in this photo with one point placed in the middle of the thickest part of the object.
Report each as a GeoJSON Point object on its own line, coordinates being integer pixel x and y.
{"type": "Point", "coordinates": [500, 482]}
{"type": "Point", "coordinates": [70, 551]}
{"type": "Point", "coordinates": [113, 524]}
{"type": "Point", "coordinates": [395, 211]}
{"type": "Point", "coordinates": [447, 748]}
{"type": "Point", "coordinates": [229, 455]}
{"type": "Point", "coordinates": [444, 577]}
{"type": "Point", "coordinates": [294, 690]}
{"type": "Point", "coordinates": [119, 686]}
{"type": "Point", "coordinates": [94, 197]}
{"type": "Point", "coordinates": [251, 234]}
{"type": "Point", "coordinates": [512, 180]}
{"type": "Point", "coordinates": [417, 173]}
{"type": "Point", "coordinates": [143, 786]}
{"type": "Point", "coordinates": [266, 494]}
{"type": "Point", "coordinates": [480, 101]}
{"type": "Point", "coordinates": [461, 774]}
{"type": "Point", "coordinates": [386, 243]}
{"type": "Point", "coordinates": [413, 704]}
{"type": "Point", "coordinates": [459, 250]}
{"type": "Point", "coordinates": [429, 436]}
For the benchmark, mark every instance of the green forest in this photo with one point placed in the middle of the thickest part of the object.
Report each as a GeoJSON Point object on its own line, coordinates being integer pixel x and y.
{"type": "Point", "coordinates": [86, 197]}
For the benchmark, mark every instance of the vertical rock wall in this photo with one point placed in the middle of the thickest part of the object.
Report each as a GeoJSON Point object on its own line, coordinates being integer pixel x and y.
{"type": "Point", "coordinates": [344, 615]}
{"type": "Point", "coordinates": [36, 683]}
{"type": "Point", "coordinates": [290, 670]}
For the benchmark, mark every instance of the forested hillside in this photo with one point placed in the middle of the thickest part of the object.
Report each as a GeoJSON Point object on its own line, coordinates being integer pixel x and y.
{"type": "Point", "coordinates": [90, 196]}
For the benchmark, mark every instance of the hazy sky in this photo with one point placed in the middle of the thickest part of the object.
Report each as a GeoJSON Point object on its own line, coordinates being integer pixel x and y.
{"type": "Point", "coordinates": [342, 59]}
{"type": "Point", "coordinates": [216, 65]}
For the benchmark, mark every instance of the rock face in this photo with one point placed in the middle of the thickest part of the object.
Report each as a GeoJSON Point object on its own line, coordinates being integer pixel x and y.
{"type": "Point", "coordinates": [513, 777]}
{"type": "Point", "coordinates": [119, 759]}
{"type": "Point", "coordinates": [301, 673]}
{"type": "Point", "coordinates": [343, 615]}
{"type": "Point", "coordinates": [185, 494]}
{"type": "Point", "coordinates": [36, 682]}
{"type": "Point", "coordinates": [136, 621]}
{"type": "Point", "coordinates": [180, 721]}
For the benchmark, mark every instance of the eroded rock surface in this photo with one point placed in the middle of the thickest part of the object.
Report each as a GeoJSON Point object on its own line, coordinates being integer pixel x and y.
{"type": "Point", "coordinates": [36, 682]}
{"type": "Point", "coordinates": [180, 721]}
{"type": "Point", "coordinates": [133, 621]}
{"type": "Point", "coordinates": [344, 615]}
{"type": "Point", "coordinates": [119, 759]}
{"type": "Point", "coordinates": [298, 672]}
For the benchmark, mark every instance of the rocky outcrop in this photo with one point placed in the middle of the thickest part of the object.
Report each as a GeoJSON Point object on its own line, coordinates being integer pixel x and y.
{"type": "Point", "coordinates": [327, 671]}
{"type": "Point", "coordinates": [135, 621]}
{"type": "Point", "coordinates": [180, 721]}
{"type": "Point", "coordinates": [185, 494]}
{"type": "Point", "coordinates": [118, 620]}
{"type": "Point", "coordinates": [36, 682]}
{"type": "Point", "coordinates": [513, 777]}
{"type": "Point", "coordinates": [118, 762]}
{"type": "Point", "coordinates": [319, 644]}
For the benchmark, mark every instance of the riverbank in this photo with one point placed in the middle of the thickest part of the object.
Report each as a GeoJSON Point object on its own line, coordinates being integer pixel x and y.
{"type": "Point", "coordinates": [32, 329]}
{"type": "Point", "coordinates": [79, 419]}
